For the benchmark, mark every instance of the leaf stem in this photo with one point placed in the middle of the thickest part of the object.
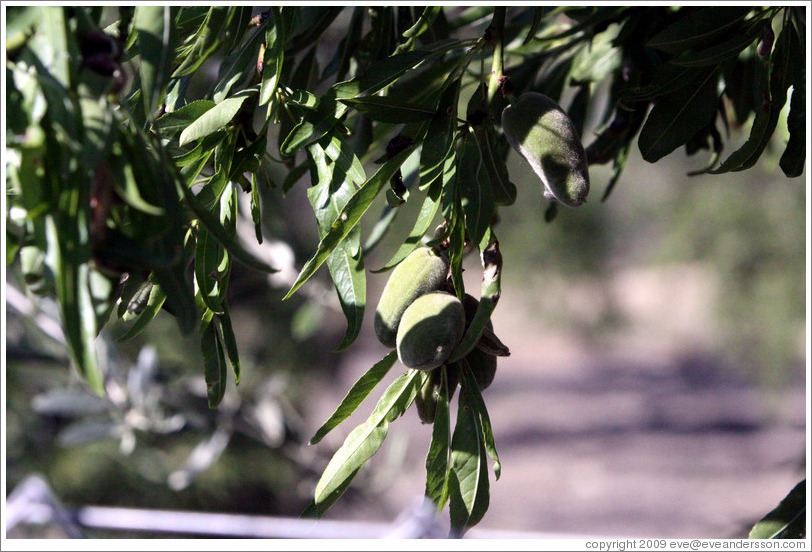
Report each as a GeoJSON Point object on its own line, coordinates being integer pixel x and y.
{"type": "Point", "coordinates": [497, 29]}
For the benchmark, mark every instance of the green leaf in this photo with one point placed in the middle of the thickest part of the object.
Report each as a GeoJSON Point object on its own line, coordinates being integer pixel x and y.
{"type": "Point", "coordinates": [356, 395]}
{"type": "Point", "coordinates": [225, 333]}
{"type": "Point", "coordinates": [766, 119]}
{"type": "Point", "coordinates": [328, 198]}
{"type": "Point", "coordinates": [667, 80]}
{"type": "Point", "coordinates": [474, 188]}
{"type": "Point", "coordinates": [340, 151]}
{"type": "Point", "coordinates": [598, 58]}
{"type": "Point", "coordinates": [54, 32]}
{"type": "Point", "coordinates": [171, 124]}
{"type": "Point", "coordinates": [180, 299]}
{"type": "Point", "coordinates": [438, 458]}
{"type": "Point", "coordinates": [205, 41]}
{"type": "Point", "coordinates": [215, 118]}
{"type": "Point", "coordinates": [314, 125]}
{"type": "Point", "coordinates": [379, 74]}
{"type": "Point", "coordinates": [719, 51]}
{"type": "Point", "coordinates": [365, 440]}
{"type": "Point", "coordinates": [76, 307]}
{"type": "Point", "coordinates": [155, 300]}
{"type": "Point", "coordinates": [504, 191]}
{"type": "Point", "coordinates": [350, 216]}
{"type": "Point", "coordinates": [469, 386]}
{"type": "Point", "coordinates": [273, 57]}
{"type": "Point", "coordinates": [21, 23]}
{"type": "Point", "coordinates": [422, 224]}
{"type": "Point", "coordinates": [787, 520]}
{"type": "Point", "coordinates": [256, 208]}
{"type": "Point", "coordinates": [302, 98]}
{"type": "Point", "coordinates": [469, 487]}
{"type": "Point", "coordinates": [438, 148]}
{"type": "Point", "coordinates": [231, 243]}
{"type": "Point", "coordinates": [704, 26]}
{"type": "Point", "coordinates": [238, 66]}
{"type": "Point", "coordinates": [346, 265]}
{"type": "Point", "coordinates": [211, 265]}
{"type": "Point", "coordinates": [676, 118]}
{"type": "Point", "coordinates": [214, 361]}
{"type": "Point", "coordinates": [309, 24]}
{"type": "Point", "coordinates": [390, 110]}
{"type": "Point", "coordinates": [154, 25]}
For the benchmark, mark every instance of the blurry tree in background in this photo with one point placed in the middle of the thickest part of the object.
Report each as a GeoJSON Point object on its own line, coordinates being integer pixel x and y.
{"type": "Point", "coordinates": [154, 161]}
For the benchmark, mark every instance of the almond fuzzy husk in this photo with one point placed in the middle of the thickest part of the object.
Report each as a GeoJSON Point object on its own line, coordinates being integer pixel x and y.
{"type": "Point", "coordinates": [542, 132]}
{"type": "Point", "coordinates": [429, 330]}
{"type": "Point", "coordinates": [423, 271]}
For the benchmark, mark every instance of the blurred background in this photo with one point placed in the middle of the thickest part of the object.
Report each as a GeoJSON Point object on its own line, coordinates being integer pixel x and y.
{"type": "Point", "coordinates": [656, 386]}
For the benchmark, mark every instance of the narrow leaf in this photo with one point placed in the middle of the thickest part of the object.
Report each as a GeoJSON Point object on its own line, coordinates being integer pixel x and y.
{"type": "Point", "coordinates": [226, 335]}
{"type": "Point", "coordinates": [438, 459]}
{"type": "Point", "coordinates": [701, 27]}
{"type": "Point", "coordinates": [719, 52]}
{"type": "Point", "coordinates": [427, 214]}
{"type": "Point", "coordinates": [350, 216]}
{"type": "Point", "coordinates": [469, 486]}
{"type": "Point", "coordinates": [171, 124]}
{"type": "Point", "coordinates": [346, 267]}
{"type": "Point", "coordinates": [231, 243]}
{"type": "Point", "coordinates": [379, 75]}
{"type": "Point", "coordinates": [272, 58]}
{"type": "Point", "coordinates": [155, 301]}
{"type": "Point", "coordinates": [340, 151]}
{"type": "Point", "coordinates": [676, 118]}
{"type": "Point", "coordinates": [214, 362]}
{"type": "Point", "coordinates": [767, 115]}
{"type": "Point", "coordinates": [366, 439]}
{"type": "Point", "coordinates": [538, 16]}
{"type": "Point", "coordinates": [504, 191]}
{"type": "Point", "coordinates": [386, 109]}
{"type": "Point", "coordinates": [475, 401]}
{"type": "Point", "coordinates": [474, 187]}
{"type": "Point", "coordinates": [794, 156]}
{"type": "Point", "coordinates": [356, 395]}
{"type": "Point", "coordinates": [214, 118]}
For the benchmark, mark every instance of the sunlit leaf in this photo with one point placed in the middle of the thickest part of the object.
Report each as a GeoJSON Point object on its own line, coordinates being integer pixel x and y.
{"type": "Point", "coordinates": [215, 118]}
{"type": "Point", "coordinates": [356, 395]}
{"type": "Point", "coordinates": [272, 58]}
{"type": "Point", "coordinates": [172, 124]}
{"type": "Point", "coordinates": [365, 440]}
{"type": "Point", "coordinates": [349, 217]}
{"type": "Point", "coordinates": [469, 490]}
{"type": "Point", "coordinates": [155, 301]}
